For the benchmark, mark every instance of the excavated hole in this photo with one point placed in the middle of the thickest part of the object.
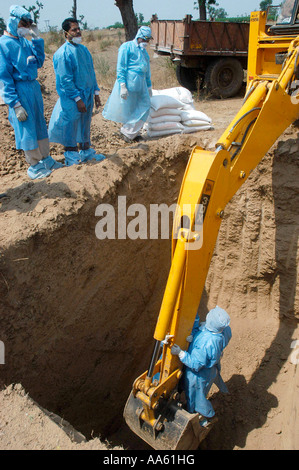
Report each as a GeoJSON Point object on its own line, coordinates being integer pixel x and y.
{"type": "Point", "coordinates": [80, 315]}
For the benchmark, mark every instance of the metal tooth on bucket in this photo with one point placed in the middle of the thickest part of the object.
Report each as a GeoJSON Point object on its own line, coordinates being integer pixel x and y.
{"type": "Point", "coordinates": [174, 429]}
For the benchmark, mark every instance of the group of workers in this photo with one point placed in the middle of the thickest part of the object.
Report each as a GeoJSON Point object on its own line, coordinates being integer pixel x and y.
{"type": "Point", "coordinates": [129, 104]}
{"type": "Point", "coordinates": [77, 89]}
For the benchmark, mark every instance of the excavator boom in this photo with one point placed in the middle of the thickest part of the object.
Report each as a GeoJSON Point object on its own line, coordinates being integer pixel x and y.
{"type": "Point", "coordinates": [154, 411]}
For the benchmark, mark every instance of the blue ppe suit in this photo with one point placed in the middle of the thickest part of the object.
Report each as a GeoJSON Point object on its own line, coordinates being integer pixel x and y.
{"type": "Point", "coordinates": [202, 363]}
{"type": "Point", "coordinates": [133, 69]}
{"type": "Point", "coordinates": [20, 60]}
{"type": "Point", "coordinates": [75, 77]}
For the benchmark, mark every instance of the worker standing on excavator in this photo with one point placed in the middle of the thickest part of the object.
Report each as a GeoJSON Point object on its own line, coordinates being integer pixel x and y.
{"type": "Point", "coordinates": [202, 362]}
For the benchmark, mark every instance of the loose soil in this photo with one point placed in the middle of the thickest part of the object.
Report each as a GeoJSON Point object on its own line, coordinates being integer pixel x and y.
{"type": "Point", "coordinates": [78, 313]}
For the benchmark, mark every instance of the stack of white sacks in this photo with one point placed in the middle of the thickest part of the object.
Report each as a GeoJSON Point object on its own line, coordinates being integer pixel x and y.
{"type": "Point", "coordinates": [172, 112]}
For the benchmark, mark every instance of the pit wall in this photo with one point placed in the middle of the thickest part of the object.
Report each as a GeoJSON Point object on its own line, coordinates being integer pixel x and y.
{"type": "Point", "coordinates": [78, 313]}
{"type": "Point", "coordinates": [78, 317]}
{"type": "Point", "coordinates": [254, 275]}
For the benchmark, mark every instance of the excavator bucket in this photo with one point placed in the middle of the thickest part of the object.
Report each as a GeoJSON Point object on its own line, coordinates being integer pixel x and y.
{"type": "Point", "coordinates": [174, 428]}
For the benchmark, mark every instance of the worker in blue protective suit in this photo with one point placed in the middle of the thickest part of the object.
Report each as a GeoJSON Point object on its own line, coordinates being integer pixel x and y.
{"type": "Point", "coordinates": [130, 100]}
{"type": "Point", "coordinates": [19, 89]}
{"type": "Point", "coordinates": [78, 91]}
{"type": "Point", "coordinates": [202, 361]}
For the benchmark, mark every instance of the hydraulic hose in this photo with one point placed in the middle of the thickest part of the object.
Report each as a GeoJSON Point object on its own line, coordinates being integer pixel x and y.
{"type": "Point", "coordinates": [242, 117]}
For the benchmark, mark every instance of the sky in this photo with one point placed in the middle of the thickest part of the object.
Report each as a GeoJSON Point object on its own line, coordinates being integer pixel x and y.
{"type": "Point", "coordinates": [102, 13]}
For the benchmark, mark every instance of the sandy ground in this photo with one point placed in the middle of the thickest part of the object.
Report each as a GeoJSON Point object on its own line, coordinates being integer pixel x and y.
{"type": "Point", "coordinates": [77, 314]}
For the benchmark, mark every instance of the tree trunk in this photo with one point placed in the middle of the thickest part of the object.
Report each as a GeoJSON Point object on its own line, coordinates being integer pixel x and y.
{"type": "Point", "coordinates": [202, 11]}
{"type": "Point", "coordinates": [128, 17]}
{"type": "Point", "coordinates": [74, 9]}
{"type": "Point", "coordinates": [202, 8]}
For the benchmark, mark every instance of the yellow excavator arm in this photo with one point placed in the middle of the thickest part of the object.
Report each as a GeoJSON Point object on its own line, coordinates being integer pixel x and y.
{"type": "Point", "coordinates": [211, 179]}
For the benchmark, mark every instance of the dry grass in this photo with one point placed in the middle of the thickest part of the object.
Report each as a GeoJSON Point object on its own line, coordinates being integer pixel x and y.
{"type": "Point", "coordinates": [104, 45]}
{"type": "Point", "coordinates": [163, 72]}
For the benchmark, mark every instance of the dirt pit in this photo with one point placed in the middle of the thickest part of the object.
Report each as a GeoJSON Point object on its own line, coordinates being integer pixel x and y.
{"type": "Point", "coordinates": [78, 313]}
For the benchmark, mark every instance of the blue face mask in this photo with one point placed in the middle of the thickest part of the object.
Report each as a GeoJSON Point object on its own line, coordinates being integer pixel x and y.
{"type": "Point", "coordinates": [23, 32]}
{"type": "Point", "coordinates": [77, 40]}
{"type": "Point", "coordinates": [143, 45]}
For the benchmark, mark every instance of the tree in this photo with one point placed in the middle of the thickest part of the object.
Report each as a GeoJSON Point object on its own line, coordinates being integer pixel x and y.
{"type": "Point", "coordinates": [216, 13]}
{"type": "Point", "coordinates": [82, 23]}
{"type": "Point", "coordinates": [2, 26]}
{"type": "Point", "coordinates": [201, 5]}
{"type": "Point", "coordinates": [265, 4]}
{"type": "Point", "coordinates": [35, 10]}
{"type": "Point", "coordinates": [74, 9]}
{"type": "Point", "coordinates": [272, 12]}
{"type": "Point", "coordinates": [73, 13]}
{"type": "Point", "coordinates": [129, 18]}
{"type": "Point", "coordinates": [139, 18]}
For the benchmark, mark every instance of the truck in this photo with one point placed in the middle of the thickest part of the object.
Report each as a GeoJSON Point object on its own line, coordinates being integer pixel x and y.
{"type": "Point", "coordinates": [210, 55]}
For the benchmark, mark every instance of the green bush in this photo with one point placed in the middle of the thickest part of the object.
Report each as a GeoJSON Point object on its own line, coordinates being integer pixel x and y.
{"type": "Point", "coordinates": [237, 19]}
{"type": "Point", "coordinates": [2, 26]}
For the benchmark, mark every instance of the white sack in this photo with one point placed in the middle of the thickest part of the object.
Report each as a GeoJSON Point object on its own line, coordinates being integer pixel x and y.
{"type": "Point", "coordinates": [163, 133]}
{"type": "Point", "coordinates": [193, 114]}
{"type": "Point", "coordinates": [188, 107]}
{"type": "Point", "coordinates": [165, 118]}
{"type": "Point", "coordinates": [165, 112]}
{"type": "Point", "coordinates": [188, 130]}
{"type": "Point", "coordinates": [161, 126]}
{"type": "Point", "coordinates": [195, 123]}
{"type": "Point", "coordinates": [164, 101]}
{"type": "Point", "coordinates": [179, 93]}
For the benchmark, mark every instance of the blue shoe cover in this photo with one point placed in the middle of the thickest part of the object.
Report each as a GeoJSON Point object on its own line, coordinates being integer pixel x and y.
{"type": "Point", "coordinates": [204, 423]}
{"type": "Point", "coordinates": [90, 154]}
{"type": "Point", "coordinates": [72, 158]}
{"type": "Point", "coordinates": [38, 171]}
{"type": "Point", "coordinates": [50, 163]}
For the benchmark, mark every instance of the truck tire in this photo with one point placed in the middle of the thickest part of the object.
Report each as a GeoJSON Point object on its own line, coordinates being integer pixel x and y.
{"type": "Point", "coordinates": [187, 77]}
{"type": "Point", "coordinates": [224, 78]}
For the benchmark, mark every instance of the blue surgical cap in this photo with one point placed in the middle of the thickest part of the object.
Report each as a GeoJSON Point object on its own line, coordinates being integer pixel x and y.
{"type": "Point", "coordinates": [217, 319]}
{"type": "Point", "coordinates": [16, 14]}
{"type": "Point", "coordinates": [144, 32]}
{"type": "Point", "coordinates": [20, 12]}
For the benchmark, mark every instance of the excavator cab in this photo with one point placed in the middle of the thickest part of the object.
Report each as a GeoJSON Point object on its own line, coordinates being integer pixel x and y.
{"type": "Point", "coordinates": [287, 20]}
{"type": "Point", "coordinates": [155, 410]}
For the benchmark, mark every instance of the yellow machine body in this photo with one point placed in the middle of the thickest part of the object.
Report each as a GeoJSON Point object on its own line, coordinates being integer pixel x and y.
{"type": "Point", "coordinates": [211, 179]}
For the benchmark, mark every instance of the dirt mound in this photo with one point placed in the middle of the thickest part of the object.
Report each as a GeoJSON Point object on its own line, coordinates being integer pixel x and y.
{"type": "Point", "coordinates": [78, 313]}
